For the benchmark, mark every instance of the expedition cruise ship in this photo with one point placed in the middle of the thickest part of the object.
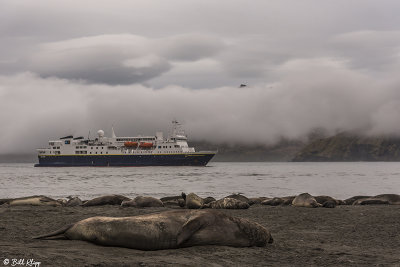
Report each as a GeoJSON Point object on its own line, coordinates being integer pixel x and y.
{"type": "Point", "coordinates": [123, 151]}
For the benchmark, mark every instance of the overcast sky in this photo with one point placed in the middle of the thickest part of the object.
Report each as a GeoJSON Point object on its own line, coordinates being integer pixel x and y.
{"type": "Point", "coordinates": [67, 67]}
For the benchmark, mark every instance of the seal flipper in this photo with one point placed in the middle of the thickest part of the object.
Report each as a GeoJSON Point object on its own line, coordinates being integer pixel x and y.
{"type": "Point", "coordinates": [53, 235]}
{"type": "Point", "coordinates": [194, 224]}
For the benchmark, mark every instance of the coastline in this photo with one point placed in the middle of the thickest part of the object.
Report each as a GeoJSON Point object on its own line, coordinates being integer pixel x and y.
{"type": "Point", "coordinates": [345, 236]}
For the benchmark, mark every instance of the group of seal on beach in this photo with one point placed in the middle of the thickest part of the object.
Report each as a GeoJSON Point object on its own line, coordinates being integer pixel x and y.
{"type": "Point", "coordinates": [182, 228]}
{"type": "Point", "coordinates": [193, 201]}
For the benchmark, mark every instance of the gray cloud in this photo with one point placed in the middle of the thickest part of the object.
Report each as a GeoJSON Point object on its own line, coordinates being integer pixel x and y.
{"type": "Point", "coordinates": [338, 98]}
{"type": "Point", "coordinates": [116, 59]}
{"type": "Point", "coordinates": [369, 49]}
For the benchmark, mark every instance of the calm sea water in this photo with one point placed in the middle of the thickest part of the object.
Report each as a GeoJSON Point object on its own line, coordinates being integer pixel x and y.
{"type": "Point", "coordinates": [339, 180]}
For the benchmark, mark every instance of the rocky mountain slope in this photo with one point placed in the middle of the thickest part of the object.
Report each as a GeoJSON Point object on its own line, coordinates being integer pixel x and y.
{"type": "Point", "coordinates": [351, 147]}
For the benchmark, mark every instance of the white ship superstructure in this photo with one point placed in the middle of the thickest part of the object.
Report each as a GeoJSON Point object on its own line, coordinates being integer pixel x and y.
{"type": "Point", "coordinates": [156, 145]}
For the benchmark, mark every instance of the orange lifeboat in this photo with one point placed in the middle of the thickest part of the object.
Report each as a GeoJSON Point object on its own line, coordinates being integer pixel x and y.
{"type": "Point", "coordinates": [130, 144]}
{"type": "Point", "coordinates": [145, 145]}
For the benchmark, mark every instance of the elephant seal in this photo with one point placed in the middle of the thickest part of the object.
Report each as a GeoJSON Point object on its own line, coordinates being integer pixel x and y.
{"type": "Point", "coordinates": [73, 201]}
{"type": "Point", "coordinates": [257, 200]}
{"type": "Point", "coordinates": [167, 230]}
{"type": "Point", "coordinates": [174, 201]}
{"type": "Point", "coordinates": [34, 201]}
{"type": "Point", "coordinates": [285, 201]}
{"type": "Point", "coordinates": [323, 199]}
{"type": "Point", "coordinates": [239, 197]}
{"type": "Point", "coordinates": [329, 204]}
{"type": "Point", "coordinates": [105, 200]}
{"type": "Point", "coordinates": [305, 200]}
{"type": "Point", "coordinates": [350, 201]}
{"type": "Point", "coordinates": [227, 203]}
{"type": "Point", "coordinates": [142, 202]}
{"type": "Point", "coordinates": [193, 201]}
{"type": "Point", "coordinates": [370, 201]}
{"type": "Point", "coordinates": [276, 201]}
{"type": "Point", "coordinates": [208, 200]}
{"type": "Point", "coordinates": [391, 199]}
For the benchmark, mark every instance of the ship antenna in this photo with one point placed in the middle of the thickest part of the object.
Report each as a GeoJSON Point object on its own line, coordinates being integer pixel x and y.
{"type": "Point", "coordinates": [174, 127]}
{"type": "Point", "coordinates": [112, 132]}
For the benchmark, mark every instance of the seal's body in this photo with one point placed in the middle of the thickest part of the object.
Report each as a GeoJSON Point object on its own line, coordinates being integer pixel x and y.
{"type": "Point", "coordinates": [167, 230]}
{"type": "Point", "coordinates": [34, 201]}
{"type": "Point", "coordinates": [105, 200]}
{"type": "Point", "coordinates": [305, 200]}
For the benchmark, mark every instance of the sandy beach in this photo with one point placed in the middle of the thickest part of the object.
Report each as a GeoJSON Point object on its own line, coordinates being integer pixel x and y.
{"type": "Point", "coordinates": [343, 236]}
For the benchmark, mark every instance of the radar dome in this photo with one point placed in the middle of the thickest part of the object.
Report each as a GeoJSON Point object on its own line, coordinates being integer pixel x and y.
{"type": "Point", "coordinates": [100, 133]}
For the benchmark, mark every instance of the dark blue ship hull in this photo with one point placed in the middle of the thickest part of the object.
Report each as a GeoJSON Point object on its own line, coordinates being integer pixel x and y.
{"type": "Point", "coordinates": [185, 159]}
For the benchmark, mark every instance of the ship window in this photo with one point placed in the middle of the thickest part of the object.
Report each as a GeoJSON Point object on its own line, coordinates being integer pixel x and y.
{"type": "Point", "coordinates": [101, 152]}
{"type": "Point", "coordinates": [97, 148]}
{"type": "Point", "coordinates": [102, 147]}
{"type": "Point", "coordinates": [84, 152]}
{"type": "Point", "coordinates": [67, 142]}
{"type": "Point", "coordinates": [106, 152]}
{"type": "Point", "coordinates": [96, 152]}
{"type": "Point", "coordinates": [91, 147]}
{"type": "Point", "coordinates": [90, 152]}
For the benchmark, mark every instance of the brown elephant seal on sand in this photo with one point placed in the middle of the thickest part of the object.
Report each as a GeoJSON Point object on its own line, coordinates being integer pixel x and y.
{"type": "Point", "coordinates": [193, 201]}
{"type": "Point", "coordinates": [329, 204]}
{"type": "Point", "coordinates": [370, 201]}
{"type": "Point", "coordinates": [142, 202]}
{"type": "Point", "coordinates": [257, 200]}
{"type": "Point", "coordinates": [73, 201]}
{"type": "Point", "coordinates": [391, 199]}
{"type": "Point", "coordinates": [227, 203]}
{"type": "Point", "coordinates": [208, 200]}
{"type": "Point", "coordinates": [351, 200]}
{"type": "Point", "coordinates": [323, 199]}
{"type": "Point", "coordinates": [276, 201]}
{"type": "Point", "coordinates": [167, 230]}
{"type": "Point", "coordinates": [305, 200]}
{"type": "Point", "coordinates": [105, 200]}
{"type": "Point", "coordinates": [34, 201]}
{"type": "Point", "coordinates": [174, 201]}
{"type": "Point", "coordinates": [239, 197]}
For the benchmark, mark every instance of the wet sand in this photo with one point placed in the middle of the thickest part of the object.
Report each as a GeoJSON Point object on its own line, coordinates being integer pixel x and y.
{"type": "Point", "coordinates": [343, 236]}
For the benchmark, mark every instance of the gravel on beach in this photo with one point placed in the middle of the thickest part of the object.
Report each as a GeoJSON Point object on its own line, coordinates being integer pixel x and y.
{"type": "Point", "coordinates": [343, 236]}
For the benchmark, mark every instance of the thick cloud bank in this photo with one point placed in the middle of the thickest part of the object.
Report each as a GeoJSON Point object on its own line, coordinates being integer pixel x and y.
{"type": "Point", "coordinates": [307, 94]}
